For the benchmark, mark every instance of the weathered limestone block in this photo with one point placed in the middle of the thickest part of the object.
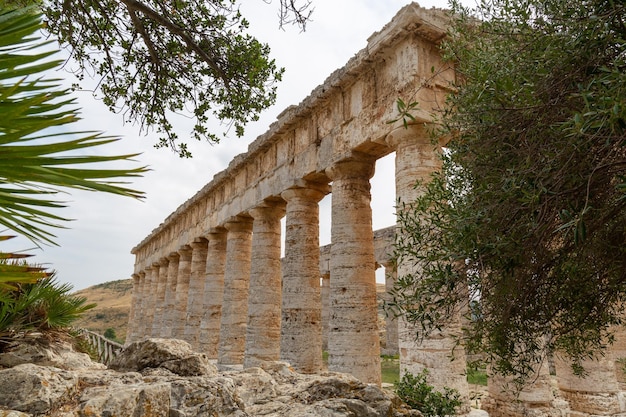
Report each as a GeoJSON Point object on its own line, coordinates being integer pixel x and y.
{"type": "Point", "coordinates": [265, 295]}
{"type": "Point", "coordinates": [146, 400]}
{"type": "Point", "coordinates": [13, 413]}
{"type": "Point", "coordinates": [191, 397]}
{"type": "Point", "coordinates": [182, 291]}
{"type": "Point", "coordinates": [169, 314]}
{"type": "Point", "coordinates": [236, 285]}
{"type": "Point", "coordinates": [35, 352]}
{"type": "Point", "coordinates": [301, 332]}
{"type": "Point", "coordinates": [174, 355]}
{"type": "Point", "coordinates": [157, 322]}
{"type": "Point", "coordinates": [353, 340]}
{"type": "Point", "coordinates": [196, 292]}
{"type": "Point", "coordinates": [35, 389]}
{"type": "Point", "coordinates": [213, 293]}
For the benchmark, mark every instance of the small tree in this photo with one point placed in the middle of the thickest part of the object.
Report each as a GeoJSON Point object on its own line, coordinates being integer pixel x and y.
{"type": "Point", "coordinates": [110, 333]}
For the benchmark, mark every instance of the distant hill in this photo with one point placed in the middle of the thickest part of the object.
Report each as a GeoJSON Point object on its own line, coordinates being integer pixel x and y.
{"type": "Point", "coordinates": [113, 299]}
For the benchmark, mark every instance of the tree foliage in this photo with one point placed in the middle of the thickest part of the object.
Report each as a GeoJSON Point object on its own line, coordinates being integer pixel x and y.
{"type": "Point", "coordinates": [157, 58]}
{"type": "Point", "coordinates": [527, 219]}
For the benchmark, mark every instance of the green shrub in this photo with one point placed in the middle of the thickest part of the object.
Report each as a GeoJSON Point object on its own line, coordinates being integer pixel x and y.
{"type": "Point", "coordinates": [110, 334]}
{"type": "Point", "coordinates": [421, 396]}
{"type": "Point", "coordinates": [45, 306]}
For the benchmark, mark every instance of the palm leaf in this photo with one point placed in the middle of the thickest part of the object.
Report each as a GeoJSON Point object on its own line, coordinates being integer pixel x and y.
{"type": "Point", "coordinates": [37, 158]}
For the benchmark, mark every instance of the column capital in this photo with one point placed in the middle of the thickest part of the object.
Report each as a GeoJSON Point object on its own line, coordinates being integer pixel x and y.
{"type": "Point", "coordinates": [199, 243]}
{"type": "Point", "coordinates": [215, 233]}
{"type": "Point", "coordinates": [164, 261]}
{"type": "Point", "coordinates": [358, 165]}
{"type": "Point", "coordinates": [414, 134]}
{"type": "Point", "coordinates": [274, 209]}
{"type": "Point", "coordinates": [185, 252]}
{"type": "Point", "coordinates": [306, 190]}
{"type": "Point", "coordinates": [173, 256]}
{"type": "Point", "coordinates": [239, 224]}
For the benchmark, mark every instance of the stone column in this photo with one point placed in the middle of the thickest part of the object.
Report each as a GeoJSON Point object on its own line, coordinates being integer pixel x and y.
{"type": "Point", "coordinates": [301, 333]}
{"type": "Point", "coordinates": [417, 158]}
{"type": "Point", "coordinates": [264, 300]}
{"type": "Point", "coordinates": [157, 322]}
{"type": "Point", "coordinates": [213, 293]}
{"type": "Point", "coordinates": [141, 305]}
{"type": "Point", "coordinates": [391, 323]}
{"type": "Point", "coordinates": [236, 283]}
{"type": "Point", "coordinates": [195, 296]}
{"type": "Point", "coordinates": [135, 308]}
{"type": "Point", "coordinates": [182, 290]}
{"type": "Point", "coordinates": [170, 295]}
{"type": "Point", "coordinates": [353, 341]}
{"type": "Point", "coordinates": [152, 273]}
{"type": "Point", "coordinates": [597, 394]}
{"type": "Point", "coordinates": [325, 309]}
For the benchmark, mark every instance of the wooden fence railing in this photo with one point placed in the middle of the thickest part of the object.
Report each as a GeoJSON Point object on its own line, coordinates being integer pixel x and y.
{"type": "Point", "coordinates": [107, 349]}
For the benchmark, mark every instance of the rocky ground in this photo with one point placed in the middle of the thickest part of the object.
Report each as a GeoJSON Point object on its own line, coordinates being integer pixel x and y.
{"type": "Point", "coordinates": [165, 378]}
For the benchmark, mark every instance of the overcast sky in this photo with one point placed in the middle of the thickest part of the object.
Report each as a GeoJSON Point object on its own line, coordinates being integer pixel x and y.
{"type": "Point", "coordinates": [96, 246]}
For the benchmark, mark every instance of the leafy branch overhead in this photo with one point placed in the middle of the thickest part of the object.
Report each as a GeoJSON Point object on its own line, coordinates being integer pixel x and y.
{"type": "Point", "coordinates": [159, 58]}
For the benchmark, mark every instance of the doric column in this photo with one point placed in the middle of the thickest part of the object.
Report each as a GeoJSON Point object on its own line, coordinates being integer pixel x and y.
{"type": "Point", "coordinates": [416, 159]}
{"type": "Point", "coordinates": [141, 305]}
{"type": "Point", "coordinates": [595, 394]}
{"type": "Point", "coordinates": [135, 308]}
{"type": "Point", "coordinates": [182, 291]}
{"type": "Point", "coordinates": [157, 322]}
{"type": "Point", "coordinates": [195, 296]}
{"type": "Point", "coordinates": [353, 341]}
{"type": "Point", "coordinates": [170, 295]}
{"type": "Point", "coordinates": [301, 333]}
{"type": "Point", "coordinates": [152, 273]}
{"type": "Point", "coordinates": [325, 309]}
{"type": "Point", "coordinates": [391, 323]}
{"type": "Point", "coordinates": [213, 293]}
{"type": "Point", "coordinates": [264, 300]}
{"type": "Point", "coordinates": [236, 283]}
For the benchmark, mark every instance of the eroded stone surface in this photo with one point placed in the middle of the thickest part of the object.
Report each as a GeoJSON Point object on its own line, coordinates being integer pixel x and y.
{"type": "Point", "coordinates": [273, 390]}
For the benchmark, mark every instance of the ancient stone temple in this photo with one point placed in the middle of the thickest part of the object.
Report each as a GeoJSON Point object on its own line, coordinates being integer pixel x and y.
{"type": "Point", "coordinates": [212, 273]}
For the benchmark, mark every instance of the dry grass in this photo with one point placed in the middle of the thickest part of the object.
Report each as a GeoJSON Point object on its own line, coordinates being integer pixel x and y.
{"type": "Point", "coordinates": [113, 300]}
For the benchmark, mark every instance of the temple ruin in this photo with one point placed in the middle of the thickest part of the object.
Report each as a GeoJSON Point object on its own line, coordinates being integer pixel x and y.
{"type": "Point", "coordinates": [212, 272]}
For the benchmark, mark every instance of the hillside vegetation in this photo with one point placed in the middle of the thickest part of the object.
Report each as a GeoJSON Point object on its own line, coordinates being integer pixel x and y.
{"type": "Point", "coordinates": [113, 305]}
